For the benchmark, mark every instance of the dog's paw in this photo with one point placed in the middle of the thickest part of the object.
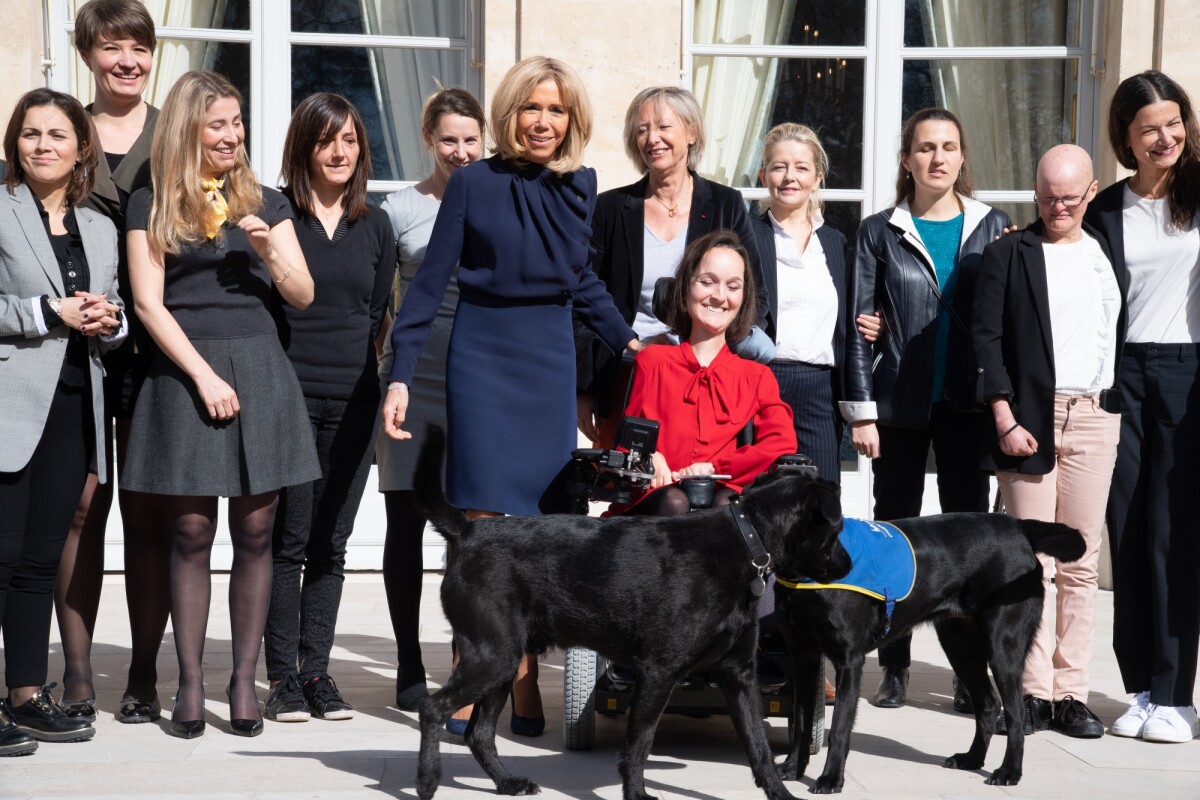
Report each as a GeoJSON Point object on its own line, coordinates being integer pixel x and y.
{"type": "Point", "coordinates": [517, 787]}
{"type": "Point", "coordinates": [828, 784]}
{"type": "Point", "coordinates": [1004, 776]}
{"type": "Point", "coordinates": [963, 761]}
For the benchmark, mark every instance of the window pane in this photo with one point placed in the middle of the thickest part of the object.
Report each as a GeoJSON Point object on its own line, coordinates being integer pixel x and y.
{"type": "Point", "coordinates": [1039, 99]}
{"type": "Point", "coordinates": [778, 22]}
{"type": "Point", "coordinates": [743, 98]}
{"type": "Point", "coordinates": [843, 217]}
{"type": "Point", "coordinates": [1021, 213]}
{"type": "Point", "coordinates": [389, 86]}
{"type": "Point", "coordinates": [1013, 23]}
{"type": "Point", "coordinates": [231, 15]}
{"type": "Point", "coordinates": [381, 17]}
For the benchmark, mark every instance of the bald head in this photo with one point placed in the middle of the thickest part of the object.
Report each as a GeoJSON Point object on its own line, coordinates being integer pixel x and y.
{"type": "Point", "coordinates": [1068, 162]}
{"type": "Point", "coordinates": [1064, 188]}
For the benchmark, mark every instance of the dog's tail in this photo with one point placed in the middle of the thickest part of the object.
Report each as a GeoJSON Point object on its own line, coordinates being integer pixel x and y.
{"type": "Point", "coordinates": [1054, 539]}
{"type": "Point", "coordinates": [427, 485]}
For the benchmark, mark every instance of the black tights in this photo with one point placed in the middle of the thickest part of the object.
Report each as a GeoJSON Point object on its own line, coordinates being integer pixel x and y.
{"type": "Point", "coordinates": [251, 520]}
{"type": "Point", "coordinates": [81, 576]}
{"type": "Point", "coordinates": [670, 501]}
{"type": "Point", "coordinates": [402, 568]}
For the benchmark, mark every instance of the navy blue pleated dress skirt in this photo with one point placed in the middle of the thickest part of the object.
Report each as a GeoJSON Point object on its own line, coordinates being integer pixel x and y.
{"type": "Point", "coordinates": [510, 404]}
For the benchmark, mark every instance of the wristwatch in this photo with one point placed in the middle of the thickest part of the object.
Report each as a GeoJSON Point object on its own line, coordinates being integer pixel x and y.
{"type": "Point", "coordinates": [55, 304]}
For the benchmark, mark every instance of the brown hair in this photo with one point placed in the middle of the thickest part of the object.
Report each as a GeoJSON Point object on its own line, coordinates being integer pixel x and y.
{"type": "Point", "coordinates": [1132, 95]}
{"type": "Point", "coordinates": [685, 106]}
{"type": "Point", "coordinates": [451, 101]}
{"type": "Point", "coordinates": [113, 19]}
{"type": "Point", "coordinates": [516, 87]}
{"type": "Point", "coordinates": [964, 185]}
{"type": "Point", "coordinates": [315, 122]}
{"type": "Point", "coordinates": [87, 158]}
{"type": "Point", "coordinates": [677, 302]}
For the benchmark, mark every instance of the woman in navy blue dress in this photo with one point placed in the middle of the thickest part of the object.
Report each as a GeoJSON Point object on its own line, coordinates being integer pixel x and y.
{"type": "Point", "coordinates": [518, 226]}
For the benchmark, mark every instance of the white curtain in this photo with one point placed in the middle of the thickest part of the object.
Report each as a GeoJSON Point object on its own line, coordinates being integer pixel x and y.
{"type": "Point", "coordinates": [404, 78]}
{"type": "Point", "coordinates": [174, 57]}
{"type": "Point", "coordinates": [1013, 109]}
{"type": "Point", "coordinates": [737, 93]}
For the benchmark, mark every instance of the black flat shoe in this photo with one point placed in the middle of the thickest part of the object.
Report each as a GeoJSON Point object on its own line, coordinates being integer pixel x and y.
{"type": "Point", "coordinates": [893, 688]}
{"type": "Point", "coordinates": [1073, 718]}
{"type": "Point", "coordinates": [81, 709]}
{"type": "Point", "coordinates": [187, 729]}
{"type": "Point", "coordinates": [243, 727]}
{"type": "Point", "coordinates": [1038, 713]}
{"type": "Point", "coordinates": [13, 740]}
{"type": "Point", "coordinates": [45, 720]}
{"type": "Point", "coordinates": [962, 698]}
{"type": "Point", "coordinates": [134, 711]}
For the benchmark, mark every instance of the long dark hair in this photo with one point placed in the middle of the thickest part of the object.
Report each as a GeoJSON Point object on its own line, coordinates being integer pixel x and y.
{"type": "Point", "coordinates": [1135, 93]}
{"type": "Point", "coordinates": [677, 304]}
{"type": "Point", "coordinates": [965, 185]}
{"type": "Point", "coordinates": [84, 175]}
{"type": "Point", "coordinates": [314, 123]}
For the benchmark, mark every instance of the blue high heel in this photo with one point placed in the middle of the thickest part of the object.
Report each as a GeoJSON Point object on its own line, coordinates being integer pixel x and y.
{"type": "Point", "coordinates": [456, 727]}
{"type": "Point", "coordinates": [524, 726]}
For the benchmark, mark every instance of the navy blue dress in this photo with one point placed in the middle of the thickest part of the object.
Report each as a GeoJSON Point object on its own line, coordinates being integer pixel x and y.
{"type": "Point", "coordinates": [520, 236]}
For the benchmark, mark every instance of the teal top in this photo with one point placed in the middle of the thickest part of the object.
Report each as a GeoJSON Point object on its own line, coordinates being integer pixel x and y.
{"type": "Point", "coordinates": [942, 239]}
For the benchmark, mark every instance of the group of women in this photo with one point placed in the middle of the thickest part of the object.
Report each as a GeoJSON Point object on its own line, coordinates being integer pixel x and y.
{"type": "Point", "coordinates": [254, 308]}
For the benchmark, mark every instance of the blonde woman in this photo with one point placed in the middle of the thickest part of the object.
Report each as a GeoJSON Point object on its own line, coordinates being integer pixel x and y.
{"type": "Point", "coordinates": [517, 225]}
{"type": "Point", "coordinates": [221, 413]}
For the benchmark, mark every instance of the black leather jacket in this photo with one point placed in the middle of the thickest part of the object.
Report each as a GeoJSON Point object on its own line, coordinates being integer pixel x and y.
{"type": "Point", "coordinates": [892, 381]}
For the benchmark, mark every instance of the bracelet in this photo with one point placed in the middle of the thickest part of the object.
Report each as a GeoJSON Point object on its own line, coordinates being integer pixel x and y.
{"type": "Point", "coordinates": [286, 275]}
{"type": "Point", "coordinates": [1000, 438]}
{"type": "Point", "coordinates": [397, 385]}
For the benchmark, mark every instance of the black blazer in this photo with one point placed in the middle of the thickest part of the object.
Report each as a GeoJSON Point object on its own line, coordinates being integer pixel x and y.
{"type": "Point", "coordinates": [1014, 346]}
{"type": "Point", "coordinates": [834, 245]}
{"type": "Point", "coordinates": [618, 259]}
{"type": "Point", "coordinates": [1104, 214]}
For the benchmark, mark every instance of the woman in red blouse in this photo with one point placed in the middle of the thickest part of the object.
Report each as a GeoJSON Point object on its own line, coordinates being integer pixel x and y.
{"type": "Point", "coordinates": [700, 393]}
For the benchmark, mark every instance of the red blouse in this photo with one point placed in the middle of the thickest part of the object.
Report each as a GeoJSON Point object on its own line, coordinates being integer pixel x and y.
{"type": "Point", "coordinates": [701, 410]}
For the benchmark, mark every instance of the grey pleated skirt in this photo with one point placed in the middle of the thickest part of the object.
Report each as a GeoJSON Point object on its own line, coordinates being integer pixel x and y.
{"type": "Point", "coordinates": [176, 448]}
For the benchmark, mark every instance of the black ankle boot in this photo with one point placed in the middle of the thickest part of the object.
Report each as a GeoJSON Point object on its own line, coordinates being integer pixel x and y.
{"type": "Point", "coordinates": [893, 688]}
{"type": "Point", "coordinates": [13, 740]}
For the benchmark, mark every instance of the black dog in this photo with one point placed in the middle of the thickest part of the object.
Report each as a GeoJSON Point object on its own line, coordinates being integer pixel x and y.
{"type": "Point", "coordinates": [662, 596]}
{"type": "Point", "coordinates": [977, 580]}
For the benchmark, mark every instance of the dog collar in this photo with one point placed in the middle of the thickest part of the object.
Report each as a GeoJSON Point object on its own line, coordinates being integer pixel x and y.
{"type": "Point", "coordinates": [760, 559]}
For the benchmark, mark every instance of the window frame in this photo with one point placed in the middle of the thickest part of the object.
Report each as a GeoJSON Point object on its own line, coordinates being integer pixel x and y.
{"type": "Point", "coordinates": [271, 69]}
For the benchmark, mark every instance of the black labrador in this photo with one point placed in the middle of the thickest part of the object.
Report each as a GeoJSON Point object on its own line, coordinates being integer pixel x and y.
{"type": "Point", "coordinates": [977, 580]}
{"type": "Point", "coordinates": [662, 596]}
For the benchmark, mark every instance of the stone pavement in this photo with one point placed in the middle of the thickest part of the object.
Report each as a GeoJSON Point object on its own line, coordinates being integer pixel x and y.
{"type": "Point", "coordinates": [895, 754]}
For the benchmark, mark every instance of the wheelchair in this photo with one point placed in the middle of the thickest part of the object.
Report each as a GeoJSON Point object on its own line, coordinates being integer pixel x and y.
{"type": "Point", "coordinates": [593, 685]}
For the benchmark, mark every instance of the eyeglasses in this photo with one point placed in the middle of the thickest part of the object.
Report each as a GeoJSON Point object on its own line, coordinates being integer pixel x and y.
{"type": "Point", "coordinates": [1069, 202]}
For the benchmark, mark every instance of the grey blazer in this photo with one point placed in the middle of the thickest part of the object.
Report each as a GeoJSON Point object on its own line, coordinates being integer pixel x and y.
{"type": "Point", "coordinates": [30, 361]}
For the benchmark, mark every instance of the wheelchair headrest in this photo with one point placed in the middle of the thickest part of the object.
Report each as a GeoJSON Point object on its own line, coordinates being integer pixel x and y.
{"type": "Point", "coordinates": [661, 300]}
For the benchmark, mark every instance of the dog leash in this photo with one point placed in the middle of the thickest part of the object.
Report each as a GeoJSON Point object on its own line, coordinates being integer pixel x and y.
{"type": "Point", "coordinates": [760, 559]}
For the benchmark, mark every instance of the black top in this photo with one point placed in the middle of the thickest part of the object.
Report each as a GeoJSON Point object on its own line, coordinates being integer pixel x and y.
{"type": "Point", "coordinates": [72, 262]}
{"type": "Point", "coordinates": [219, 288]}
{"type": "Point", "coordinates": [332, 342]}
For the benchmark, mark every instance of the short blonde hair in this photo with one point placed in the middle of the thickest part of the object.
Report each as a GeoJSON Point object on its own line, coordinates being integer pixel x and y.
{"type": "Point", "coordinates": [794, 132]}
{"type": "Point", "coordinates": [179, 203]}
{"type": "Point", "coordinates": [516, 87]}
{"type": "Point", "coordinates": [685, 106]}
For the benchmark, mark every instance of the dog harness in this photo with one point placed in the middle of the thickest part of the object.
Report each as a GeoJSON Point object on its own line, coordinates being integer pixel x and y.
{"type": "Point", "coordinates": [883, 564]}
{"type": "Point", "coordinates": [760, 559]}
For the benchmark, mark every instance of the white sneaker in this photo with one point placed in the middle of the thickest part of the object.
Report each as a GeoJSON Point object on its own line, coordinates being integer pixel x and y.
{"type": "Point", "coordinates": [1172, 724]}
{"type": "Point", "coordinates": [1133, 721]}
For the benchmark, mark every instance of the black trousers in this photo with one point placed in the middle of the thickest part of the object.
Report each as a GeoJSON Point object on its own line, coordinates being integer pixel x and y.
{"type": "Point", "coordinates": [958, 439]}
{"type": "Point", "coordinates": [312, 527]}
{"type": "Point", "coordinates": [1152, 522]}
{"type": "Point", "coordinates": [36, 507]}
{"type": "Point", "coordinates": [808, 389]}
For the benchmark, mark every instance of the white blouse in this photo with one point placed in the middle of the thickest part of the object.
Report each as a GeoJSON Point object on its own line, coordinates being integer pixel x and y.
{"type": "Point", "coordinates": [806, 301]}
{"type": "Point", "coordinates": [1164, 273]}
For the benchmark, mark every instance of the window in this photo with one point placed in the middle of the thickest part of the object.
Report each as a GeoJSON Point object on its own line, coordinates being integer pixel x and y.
{"type": "Point", "coordinates": [386, 57]}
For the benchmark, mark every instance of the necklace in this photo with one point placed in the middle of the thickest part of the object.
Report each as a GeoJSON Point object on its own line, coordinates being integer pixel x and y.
{"type": "Point", "coordinates": [670, 209]}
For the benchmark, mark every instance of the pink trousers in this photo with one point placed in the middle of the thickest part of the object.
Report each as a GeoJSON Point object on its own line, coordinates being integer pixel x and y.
{"type": "Point", "coordinates": [1074, 493]}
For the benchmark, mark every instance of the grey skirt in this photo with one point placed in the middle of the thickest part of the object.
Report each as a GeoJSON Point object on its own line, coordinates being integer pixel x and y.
{"type": "Point", "coordinates": [176, 448]}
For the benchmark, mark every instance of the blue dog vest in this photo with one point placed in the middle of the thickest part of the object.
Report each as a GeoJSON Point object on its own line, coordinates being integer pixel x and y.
{"type": "Point", "coordinates": [883, 564]}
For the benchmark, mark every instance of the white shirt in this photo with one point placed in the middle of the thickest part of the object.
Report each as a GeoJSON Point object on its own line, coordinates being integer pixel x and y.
{"type": "Point", "coordinates": [659, 260]}
{"type": "Point", "coordinates": [1164, 273]}
{"type": "Point", "coordinates": [806, 299]}
{"type": "Point", "coordinates": [1084, 304]}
